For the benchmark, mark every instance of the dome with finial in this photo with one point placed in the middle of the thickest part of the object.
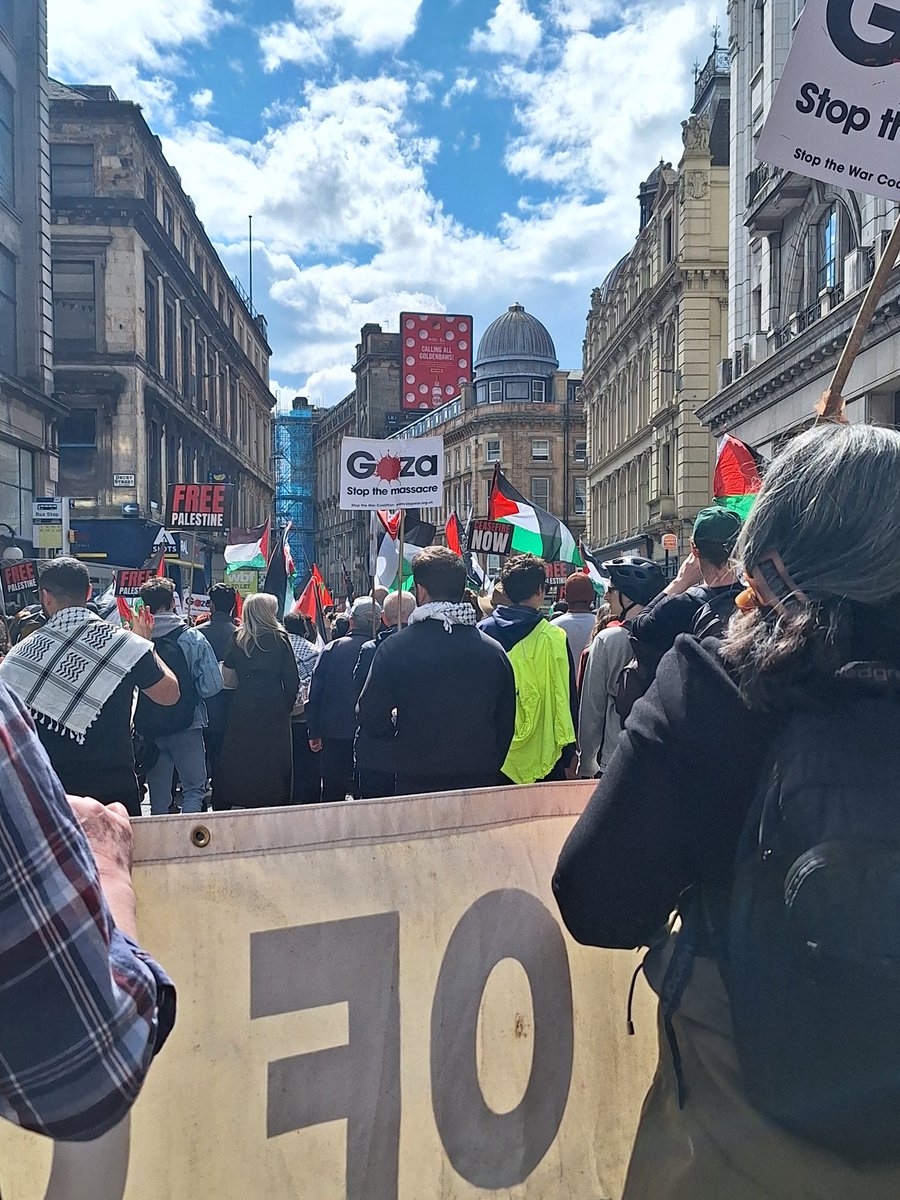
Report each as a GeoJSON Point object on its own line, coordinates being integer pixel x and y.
{"type": "Point", "coordinates": [515, 343]}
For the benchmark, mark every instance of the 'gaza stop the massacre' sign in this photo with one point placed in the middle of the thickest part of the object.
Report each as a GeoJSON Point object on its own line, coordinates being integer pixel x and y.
{"type": "Point", "coordinates": [836, 113]}
{"type": "Point", "coordinates": [401, 473]}
{"type": "Point", "coordinates": [199, 506]}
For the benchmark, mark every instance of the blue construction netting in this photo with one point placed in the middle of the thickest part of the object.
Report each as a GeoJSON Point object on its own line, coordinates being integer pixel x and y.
{"type": "Point", "coordinates": [294, 480]}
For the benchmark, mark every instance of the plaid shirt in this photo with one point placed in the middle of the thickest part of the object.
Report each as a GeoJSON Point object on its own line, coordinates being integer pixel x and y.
{"type": "Point", "coordinates": [82, 1008]}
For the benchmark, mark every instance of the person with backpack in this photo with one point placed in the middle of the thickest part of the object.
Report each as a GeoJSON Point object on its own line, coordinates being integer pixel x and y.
{"type": "Point", "coordinates": [634, 581]}
{"type": "Point", "coordinates": [755, 793]}
{"type": "Point", "coordinates": [177, 731]}
{"type": "Point", "coordinates": [77, 674]}
{"type": "Point", "coordinates": [700, 600]}
{"type": "Point", "coordinates": [543, 745]}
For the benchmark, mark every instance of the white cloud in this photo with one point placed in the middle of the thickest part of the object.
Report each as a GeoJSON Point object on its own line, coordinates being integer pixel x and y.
{"type": "Point", "coordinates": [574, 15]}
{"type": "Point", "coordinates": [147, 40]}
{"type": "Point", "coordinates": [463, 85]}
{"type": "Point", "coordinates": [512, 32]}
{"type": "Point", "coordinates": [367, 26]}
{"type": "Point", "coordinates": [202, 100]}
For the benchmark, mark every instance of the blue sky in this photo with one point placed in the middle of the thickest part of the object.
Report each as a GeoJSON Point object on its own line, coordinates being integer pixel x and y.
{"type": "Point", "coordinates": [438, 155]}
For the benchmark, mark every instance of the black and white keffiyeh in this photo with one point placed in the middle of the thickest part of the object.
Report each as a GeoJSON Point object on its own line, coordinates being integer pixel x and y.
{"type": "Point", "coordinates": [66, 671]}
{"type": "Point", "coordinates": [447, 612]}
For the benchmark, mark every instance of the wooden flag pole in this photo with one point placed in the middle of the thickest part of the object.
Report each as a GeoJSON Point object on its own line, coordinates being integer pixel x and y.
{"type": "Point", "coordinates": [831, 407]}
{"type": "Point", "coordinates": [400, 571]}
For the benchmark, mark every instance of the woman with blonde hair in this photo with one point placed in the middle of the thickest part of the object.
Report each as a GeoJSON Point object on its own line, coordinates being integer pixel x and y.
{"type": "Point", "coordinates": [256, 765]}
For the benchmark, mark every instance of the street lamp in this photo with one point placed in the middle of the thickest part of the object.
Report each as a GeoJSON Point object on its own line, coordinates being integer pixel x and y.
{"type": "Point", "coordinates": [9, 551]}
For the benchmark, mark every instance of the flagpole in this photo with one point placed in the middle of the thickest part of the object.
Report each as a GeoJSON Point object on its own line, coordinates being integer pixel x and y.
{"type": "Point", "coordinates": [400, 567]}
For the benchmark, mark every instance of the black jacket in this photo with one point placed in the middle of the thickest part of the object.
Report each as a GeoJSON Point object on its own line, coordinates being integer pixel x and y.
{"type": "Point", "coordinates": [661, 621]}
{"type": "Point", "coordinates": [331, 708]}
{"type": "Point", "coordinates": [455, 698]}
{"type": "Point", "coordinates": [366, 654]}
{"type": "Point", "coordinates": [668, 812]}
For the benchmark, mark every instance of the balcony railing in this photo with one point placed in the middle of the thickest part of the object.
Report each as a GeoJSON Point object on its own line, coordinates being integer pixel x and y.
{"type": "Point", "coordinates": [718, 63]}
{"type": "Point", "coordinates": [757, 180]}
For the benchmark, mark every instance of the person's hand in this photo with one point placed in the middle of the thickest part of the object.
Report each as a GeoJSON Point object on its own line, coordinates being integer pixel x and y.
{"type": "Point", "coordinates": [689, 575]}
{"type": "Point", "coordinates": [108, 831]}
{"type": "Point", "coordinates": [142, 623]}
{"type": "Point", "coordinates": [315, 744]}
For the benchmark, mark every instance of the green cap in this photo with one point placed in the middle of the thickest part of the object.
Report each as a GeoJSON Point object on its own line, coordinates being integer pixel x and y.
{"type": "Point", "coordinates": [717, 524]}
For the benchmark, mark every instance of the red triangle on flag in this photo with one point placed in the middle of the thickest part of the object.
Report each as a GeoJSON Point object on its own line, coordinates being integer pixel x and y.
{"type": "Point", "coordinates": [391, 522]}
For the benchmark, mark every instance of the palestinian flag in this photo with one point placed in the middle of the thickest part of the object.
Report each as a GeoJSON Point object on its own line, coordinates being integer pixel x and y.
{"type": "Point", "coordinates": [279, 577]}
{"type": "Point", "coordinates": [312, 602]}
{"type": "Point", "coordinates": [248, 549]}
{"type": "Point", "coordinates": [416, 536]}
{"type": "Point", "coordinates": [535, 530]}
{"type": "Point", "coordinates": [736, 481]}
{"type": "Point", "coordinates": [453, 532]}
{"type": "Point", "coordinates": [594, 570]}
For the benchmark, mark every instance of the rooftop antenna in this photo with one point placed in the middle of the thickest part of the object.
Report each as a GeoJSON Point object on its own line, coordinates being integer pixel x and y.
{"type": "Point", "coordinates": [250, 251]}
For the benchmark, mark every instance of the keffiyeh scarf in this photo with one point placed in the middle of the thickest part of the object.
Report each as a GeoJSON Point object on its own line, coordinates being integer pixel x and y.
{"type": "Point", "coordinates": [443, 610]}
{"type": "Point", "coordinates": [66, 671]}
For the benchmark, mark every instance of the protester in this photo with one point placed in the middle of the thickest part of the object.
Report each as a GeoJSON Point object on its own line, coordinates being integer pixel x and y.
{"type": "Point", "coordinates": [331, 710]}
{"type": "Point", "coordinates": [256, 769]}
{"type": "Point", "coordinates": [634, 582]}
{"type": "Point", "coordinates": [371, 781]}
{"type": "Point", "coordinates": [558, 609]}
{"type": "Point", "coordinates": [705, 583]}
{"type": "Point", "coordinates": [341, 627]}
{"type": "Point", "coordinates": [177, 731]}
{"type": "Point", "coordinates": [219, 631]}
{"type": "Point", "coordinates": [546, 707]}
{"type": "Point", "coordinates": [755, 790]}
{"type": "Point", "coordinates": [84, 1009]}
{"type": "Point", "coordinates": [577, 621]}
{"type": "Point", "coordinates": [84, 714]}
{"type": "Point", "coordinates": [438, 709]}
{"type": "Point", "coordinates": [307, 786]}
{"type": "Point", "coordinates": [602, 619]}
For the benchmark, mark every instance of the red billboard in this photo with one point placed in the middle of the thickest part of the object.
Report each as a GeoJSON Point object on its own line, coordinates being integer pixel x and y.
{"type": "Point", "coordinates": [437, 358]}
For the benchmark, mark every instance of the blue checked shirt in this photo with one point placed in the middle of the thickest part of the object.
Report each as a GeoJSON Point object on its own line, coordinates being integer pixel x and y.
{"type": "Point", "coordinates": [82, 1008]}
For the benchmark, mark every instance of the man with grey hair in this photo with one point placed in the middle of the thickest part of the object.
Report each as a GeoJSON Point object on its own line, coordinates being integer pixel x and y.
{"type": "Point", "coordinates": [331, 708]}
{"type": "Point", "coordinates": [398, 606]}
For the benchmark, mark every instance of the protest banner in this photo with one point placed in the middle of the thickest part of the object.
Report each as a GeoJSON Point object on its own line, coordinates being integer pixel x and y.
{"type": "Point", "coordinates": [19, 584]}
{"type": "Point", "coordinates": [198, 605]}
{"type": "Point", "coordinates": [199, 507]}
{"type": "Point", "coordinates": [129, 583]}
{"type": "Point", "coordinates": [377, 1001]}
{"type": "Point", "coordinates": [391, 474]}
{"type": "Point", "coordinates": [490, 537]}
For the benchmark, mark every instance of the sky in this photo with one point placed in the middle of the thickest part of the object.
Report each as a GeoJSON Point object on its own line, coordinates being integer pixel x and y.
{"type": "Point", "coordinates": [431, 155]}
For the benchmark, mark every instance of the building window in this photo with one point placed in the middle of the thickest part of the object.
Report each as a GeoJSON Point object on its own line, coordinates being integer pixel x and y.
{"type": "Point", "coordinates": [580, 497]}
{"type": "Point", "coordinates": [668, 239]}
{"type": "Point", "coordinates": [233, 407]}
{"type": "Point", "coordinates": [170, 325]}
{"type": "Point", "coordinates": [7, 144]}
{"type": "Point", "coordinates": [151, 321]}
{"type": "Point", "coordinates": [78, 454]}
{"type": "Point", "coordinates": [71, 169]}
{"type": "Point", "coordinates": [581, 451]}
{"type": "Point", "coordinates": [467, 495]}
{"type": "Point", "coordinates": [496, 391]}
{"type": "Point", "coordinates": [150, 191]}
{"type": "Point", "coordinates": [540, 491]}
{"type": "Point", "coordinates": [517, 389]}
{"type": "Point", "coordinates": [185, 245]}
{"type": "Point", "coordinates": [154, 463]}
{"type": "Point", "coordinates": [468, 456]}
{"type": "Point", "coordinates": [456, 462]}
{"type": "Point", "coordinates": [446, 464]}
{"type": "Point", "coordinates": [74, 305]}
{"type": "Point", "coordinates": [8, 358]}
{"type": "Point", "coordinates": [481, 394]}
{"type": "Point", "coordinates": [540, 450]}
{"type": "Point", "coordinates": [168, 218]}
{"type": "Point", "coordinates": [538, 390]}
{"type": "Point", "coordinates": [16, 487]}
{"type": "Point", "coordinates": [492, 450]}
{"type": "Point", "coordinates": [826, 252]}
{"type": "Point", "coordinates": [487, 495]}
{"type": "Point", "coordinates": [185, 359]}
{"type": "Point", "coordinates": [200, 370]}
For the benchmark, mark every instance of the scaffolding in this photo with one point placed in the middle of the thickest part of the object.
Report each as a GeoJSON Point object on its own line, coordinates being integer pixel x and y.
{"type": "Point", "coordinates": [294, 479]}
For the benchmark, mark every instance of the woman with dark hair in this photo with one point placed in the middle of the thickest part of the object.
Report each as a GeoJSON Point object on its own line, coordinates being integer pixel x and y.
{"type": "Point", "coordinates": [754, 792]}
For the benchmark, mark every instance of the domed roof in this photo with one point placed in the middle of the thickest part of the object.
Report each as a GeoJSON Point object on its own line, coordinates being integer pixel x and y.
{"type": "Point", "coordinates": [517, 336]}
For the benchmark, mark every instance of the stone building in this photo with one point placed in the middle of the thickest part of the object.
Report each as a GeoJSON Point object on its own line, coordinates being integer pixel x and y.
{"type": "Point", "coordinates": [159, 355]}
{"type": "Point", "coordinates": [801, 255]}
{"type": "Point", "coordinates": [28, 409]}
{"type": "Point", "coordinates": [655, 332]}
{"type": "Point", "coordinates": [371, 410]}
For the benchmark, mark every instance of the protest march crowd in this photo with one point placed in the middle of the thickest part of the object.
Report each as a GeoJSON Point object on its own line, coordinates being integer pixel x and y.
{"type": "Point", "coordinates": [740, 721]}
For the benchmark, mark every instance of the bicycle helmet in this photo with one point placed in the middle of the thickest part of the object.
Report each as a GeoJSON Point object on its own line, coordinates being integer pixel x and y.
{"type": "Point", "coordinates": [636, 578]}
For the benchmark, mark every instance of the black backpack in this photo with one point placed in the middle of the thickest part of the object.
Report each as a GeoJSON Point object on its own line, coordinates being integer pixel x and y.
{"type": "Point", "coordinates": [812, 954]}
{"type": "Point", "coordinates": [713, 617]}
{"type": "Point", "coordinates": [153, 720]}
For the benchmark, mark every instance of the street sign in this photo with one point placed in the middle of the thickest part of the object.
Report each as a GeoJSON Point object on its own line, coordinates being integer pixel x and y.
{"type": "Point", "coordinates": [670, 542]}
{"type": "Point", "coordinates": [47, 508]}
{"type": "Point", "coordinates": [124, 480]}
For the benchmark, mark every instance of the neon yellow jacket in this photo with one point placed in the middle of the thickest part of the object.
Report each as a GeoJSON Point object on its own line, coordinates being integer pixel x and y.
{"type": "Point", "coordinates": [544, 726]}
